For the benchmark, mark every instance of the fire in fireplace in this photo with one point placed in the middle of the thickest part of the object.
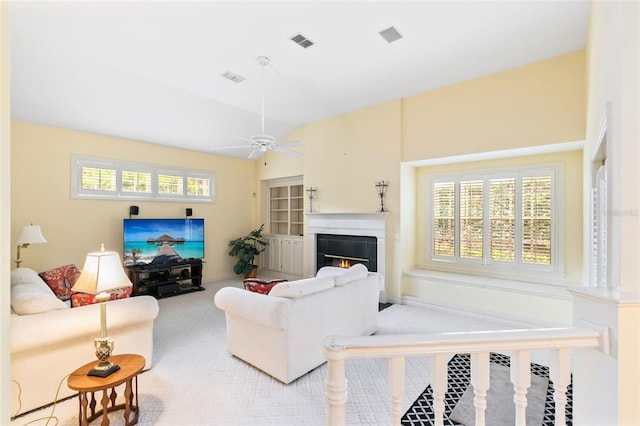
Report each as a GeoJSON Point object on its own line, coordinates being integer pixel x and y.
{"type": "Point", "coordinates": [343, 261]}
{"type": "Point", "coordinates": [346, 250]}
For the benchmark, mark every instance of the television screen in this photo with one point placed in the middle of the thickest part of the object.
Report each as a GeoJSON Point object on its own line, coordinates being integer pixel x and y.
{"type": "Point", "coordinates": [162, 240]}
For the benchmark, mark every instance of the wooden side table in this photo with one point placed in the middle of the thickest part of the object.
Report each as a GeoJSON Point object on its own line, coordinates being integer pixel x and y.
{"type": "Point", "coordinates": [130, 367]}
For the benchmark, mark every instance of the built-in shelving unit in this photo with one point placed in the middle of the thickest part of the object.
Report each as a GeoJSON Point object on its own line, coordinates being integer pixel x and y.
{"type": "Point", "coordinates": [286, 209]}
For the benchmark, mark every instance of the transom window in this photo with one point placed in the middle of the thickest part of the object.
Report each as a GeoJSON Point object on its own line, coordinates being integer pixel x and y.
{"type": "Point", "coordinates": [111, 179]}
{"type": "Point", "coordinates": [496, 219]}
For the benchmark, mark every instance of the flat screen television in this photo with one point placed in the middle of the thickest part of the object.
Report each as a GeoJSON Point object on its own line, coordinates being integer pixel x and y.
{"type": "Point", "coordinates": [153, 241]}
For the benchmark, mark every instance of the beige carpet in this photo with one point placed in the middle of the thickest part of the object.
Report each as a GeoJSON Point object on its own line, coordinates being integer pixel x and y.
{"type": "Point", "coordinates": [194, 380]}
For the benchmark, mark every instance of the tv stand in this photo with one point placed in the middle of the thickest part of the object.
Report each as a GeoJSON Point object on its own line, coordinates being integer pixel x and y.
{"type": "Point", "coordinates": [166, 279]}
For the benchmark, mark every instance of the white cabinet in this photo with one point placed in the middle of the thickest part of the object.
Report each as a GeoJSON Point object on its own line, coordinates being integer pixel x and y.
{"type": "Point", "coordinates": [291, 256]}
{"type": "Point", "coordinates": [283, 254]}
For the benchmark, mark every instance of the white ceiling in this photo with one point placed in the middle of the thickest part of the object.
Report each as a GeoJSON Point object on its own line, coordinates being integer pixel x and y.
{"type": "Point", "coordinates": [152, 71]}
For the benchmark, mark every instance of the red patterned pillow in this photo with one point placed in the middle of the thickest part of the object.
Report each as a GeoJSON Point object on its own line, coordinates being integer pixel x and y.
{"type": "Point", "coordinates": [260, 286]}
{"type": "Point", "coordinates": [61, 279]}
{"type": "Point", "coordinates": [83, 299]}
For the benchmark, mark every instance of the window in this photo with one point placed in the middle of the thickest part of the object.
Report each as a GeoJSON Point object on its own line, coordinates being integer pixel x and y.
{"type": "Point", "coordinates": [498, 219]}
{"type": "Point", "coordinates": [111, 179]}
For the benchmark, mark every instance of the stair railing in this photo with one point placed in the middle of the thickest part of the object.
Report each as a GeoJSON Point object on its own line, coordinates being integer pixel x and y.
{"type": "Point", "coordinates": [440, 347]}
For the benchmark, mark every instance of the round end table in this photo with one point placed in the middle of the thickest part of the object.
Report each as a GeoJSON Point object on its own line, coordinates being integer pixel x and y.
{"type": "Point", "coordinates": [130, 366]}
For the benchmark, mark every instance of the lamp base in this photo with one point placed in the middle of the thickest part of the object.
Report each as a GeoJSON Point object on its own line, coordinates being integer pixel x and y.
{"type": "Point", "coordinates": [103, 371]}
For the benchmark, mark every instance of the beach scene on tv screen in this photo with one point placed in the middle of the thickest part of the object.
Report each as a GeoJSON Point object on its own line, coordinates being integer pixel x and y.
{"type": "Point", "coordinates": [162, 240]}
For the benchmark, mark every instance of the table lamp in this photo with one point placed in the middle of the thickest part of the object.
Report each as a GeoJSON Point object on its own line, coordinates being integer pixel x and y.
{"type": "Point", "coordinates": [102, 272]}
{"type": "Point", "coordinates": [31, 234]}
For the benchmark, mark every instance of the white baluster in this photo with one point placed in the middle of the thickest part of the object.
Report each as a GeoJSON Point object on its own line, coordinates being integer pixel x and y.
{"type": "Point", "coordinates": [439, 386]}
{"type": "Point", "coordinates": [480, 381]}
{"type": "Point", "coordinates": [560, 375]}
{"type": "Point", "coordinates": [396, 387]}
{"type": "Point", "coordinates": [336, 393]}
{"type": "Point", "coordinates": [521, 379]}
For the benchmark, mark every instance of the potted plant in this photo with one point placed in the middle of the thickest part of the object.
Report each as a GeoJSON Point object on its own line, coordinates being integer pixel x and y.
{"type": "Point", "coordinates": [246, 249]}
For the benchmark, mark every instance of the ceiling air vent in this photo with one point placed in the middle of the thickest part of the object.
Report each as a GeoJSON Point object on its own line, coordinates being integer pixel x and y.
{"type": "Point", "coordinates": [233, 77]}
{"type": "Point", "coordinates": [301, 40]}
{"type": "Point", "coordinates": [390, 34]}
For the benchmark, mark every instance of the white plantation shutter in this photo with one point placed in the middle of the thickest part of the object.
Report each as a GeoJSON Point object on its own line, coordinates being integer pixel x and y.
{"type": "Point", "coordinates": [503, 219]}
{"type": "Point", "coordinates": [471, 215]}
{"type": "Point", "coordinates": [444, 219]}
{"type": "Point", "coordinates": [600, 228]}
{"type": "Point", "coordinates": [136, 182]}
{"type": "Point", "coordinates": [198, 186]}
{"type": "Point", "coordinates": [170, 184]}
{"type": "Point", "coordinates": [536, 220]}
{"type": "Point", "coordinates": [502, 203]}
{"type": "Point", "coordinates": [110, 179]}
{"type": "Point", "coordinates": [98, 179]}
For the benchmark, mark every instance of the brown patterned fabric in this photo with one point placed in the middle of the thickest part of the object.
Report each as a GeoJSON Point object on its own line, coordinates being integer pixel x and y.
{"type": "Point", "coordinates": [83, 299]}
{"type": "Point", "coordinates": [61, 279]}
{"type": "Point", "coordinates": [260, 286]}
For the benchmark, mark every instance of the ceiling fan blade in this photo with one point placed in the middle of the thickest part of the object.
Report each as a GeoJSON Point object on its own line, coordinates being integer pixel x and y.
{"type": "Point", "coordinates": [244, 139]}
{"type": "Point", "coordinates": [291, 143]}
{"type": "Point", "coordinates": [289, 152]}
{"type": "Point", "coordinates": [256, 153]}
{"type": "Point", "coordinates": [216, 148]}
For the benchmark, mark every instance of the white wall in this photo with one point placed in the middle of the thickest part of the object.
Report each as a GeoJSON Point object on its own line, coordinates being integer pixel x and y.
{"type": "Point", "coordinates": [607, 388]}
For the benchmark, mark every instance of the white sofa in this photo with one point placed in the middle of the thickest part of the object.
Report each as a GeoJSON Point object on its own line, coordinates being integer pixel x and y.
{"type": "Point", "coordinates": [281, 333]}
{"type": "Point", "coordinates": [49, 339]}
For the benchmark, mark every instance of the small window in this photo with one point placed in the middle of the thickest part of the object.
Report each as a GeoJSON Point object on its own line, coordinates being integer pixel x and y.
{"type": "Point", "coordinates": [170, 185]}
{"type": "Point", "coordinates": [111, 179]}
{"type": "Point", "coordinates": [94, 179]}
{"type": "Point", "coordinates": [136, 182]}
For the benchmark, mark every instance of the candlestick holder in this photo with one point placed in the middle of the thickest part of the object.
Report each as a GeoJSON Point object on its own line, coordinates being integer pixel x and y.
{"type": "Point", "coordinates": [381, 188]}
{"type": "Point", "coordinates": [311, 193]}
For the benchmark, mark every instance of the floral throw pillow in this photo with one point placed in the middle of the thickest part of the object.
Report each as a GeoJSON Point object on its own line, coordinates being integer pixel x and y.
{"type": "Point", "coordinates": [84, 299]}
{"type": "Point", "coordinates": [61, 279]}
{"type": "Point", "coordinates": [260, 286]}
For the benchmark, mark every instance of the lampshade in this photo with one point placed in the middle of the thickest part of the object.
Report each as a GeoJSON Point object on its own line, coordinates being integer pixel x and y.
{"type": "Point", "coordinates": [31, 234]}
{"type": "Point", "coordinates": [102, 271]}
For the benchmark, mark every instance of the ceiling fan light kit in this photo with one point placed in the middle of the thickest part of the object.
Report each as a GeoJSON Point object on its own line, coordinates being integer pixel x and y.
{"type": "Point", "coordinates": [263, 142]}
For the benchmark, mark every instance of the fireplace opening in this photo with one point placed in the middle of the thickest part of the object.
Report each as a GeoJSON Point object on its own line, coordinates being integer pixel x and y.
{"type": "Point", "coordinates": [344, 261]}
{"type": "Point", "coordinates": [346, 250]}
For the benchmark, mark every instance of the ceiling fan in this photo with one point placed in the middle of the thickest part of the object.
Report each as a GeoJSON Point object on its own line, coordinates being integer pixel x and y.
{"type": "Point", "coordinates": [264, 142]}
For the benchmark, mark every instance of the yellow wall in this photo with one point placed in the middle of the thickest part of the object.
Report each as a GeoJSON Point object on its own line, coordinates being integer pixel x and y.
{"type": "Point", "coordinates": [344, 157]}
{"type": "Point", "coordinates": [41, 186]}
{"type": "Point", "coordinates": [536, 104]}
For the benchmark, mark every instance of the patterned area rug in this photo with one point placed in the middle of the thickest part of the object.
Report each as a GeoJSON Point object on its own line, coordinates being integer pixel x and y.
{"type": "Point", "coordinates": [459, 378]}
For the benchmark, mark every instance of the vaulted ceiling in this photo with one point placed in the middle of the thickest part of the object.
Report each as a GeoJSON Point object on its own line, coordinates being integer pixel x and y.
{"type": "Point", "coordinates": [153, 71]}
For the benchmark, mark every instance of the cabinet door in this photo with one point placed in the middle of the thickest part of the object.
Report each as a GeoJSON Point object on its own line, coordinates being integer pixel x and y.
{"type": "Point", "coordinates": [297, 257]}
{"type": "Point", "coordinates": [274, 254]}
{"type": "Point", "coordinates": [286, 256]}
{"type": "Point", "coordinates": [291, 256]}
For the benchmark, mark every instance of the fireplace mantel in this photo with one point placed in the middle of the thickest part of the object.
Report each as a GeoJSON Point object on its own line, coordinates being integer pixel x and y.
{"type": "Point", "coordinates": [367, 224]}
{"type": "Point", "coordinates": [373, 224]}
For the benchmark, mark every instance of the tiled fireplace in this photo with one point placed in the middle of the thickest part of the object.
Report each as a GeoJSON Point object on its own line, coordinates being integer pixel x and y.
{"type": "Point", "coordinates": [342, 239]}
{"type": "Point", "coordinates": [346, 250]}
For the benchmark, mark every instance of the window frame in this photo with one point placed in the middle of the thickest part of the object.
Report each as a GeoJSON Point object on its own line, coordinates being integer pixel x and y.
{"type": "Point", "coordinates": [78, 162]}
{"type": "Point", "coordinates": [555, 170]}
